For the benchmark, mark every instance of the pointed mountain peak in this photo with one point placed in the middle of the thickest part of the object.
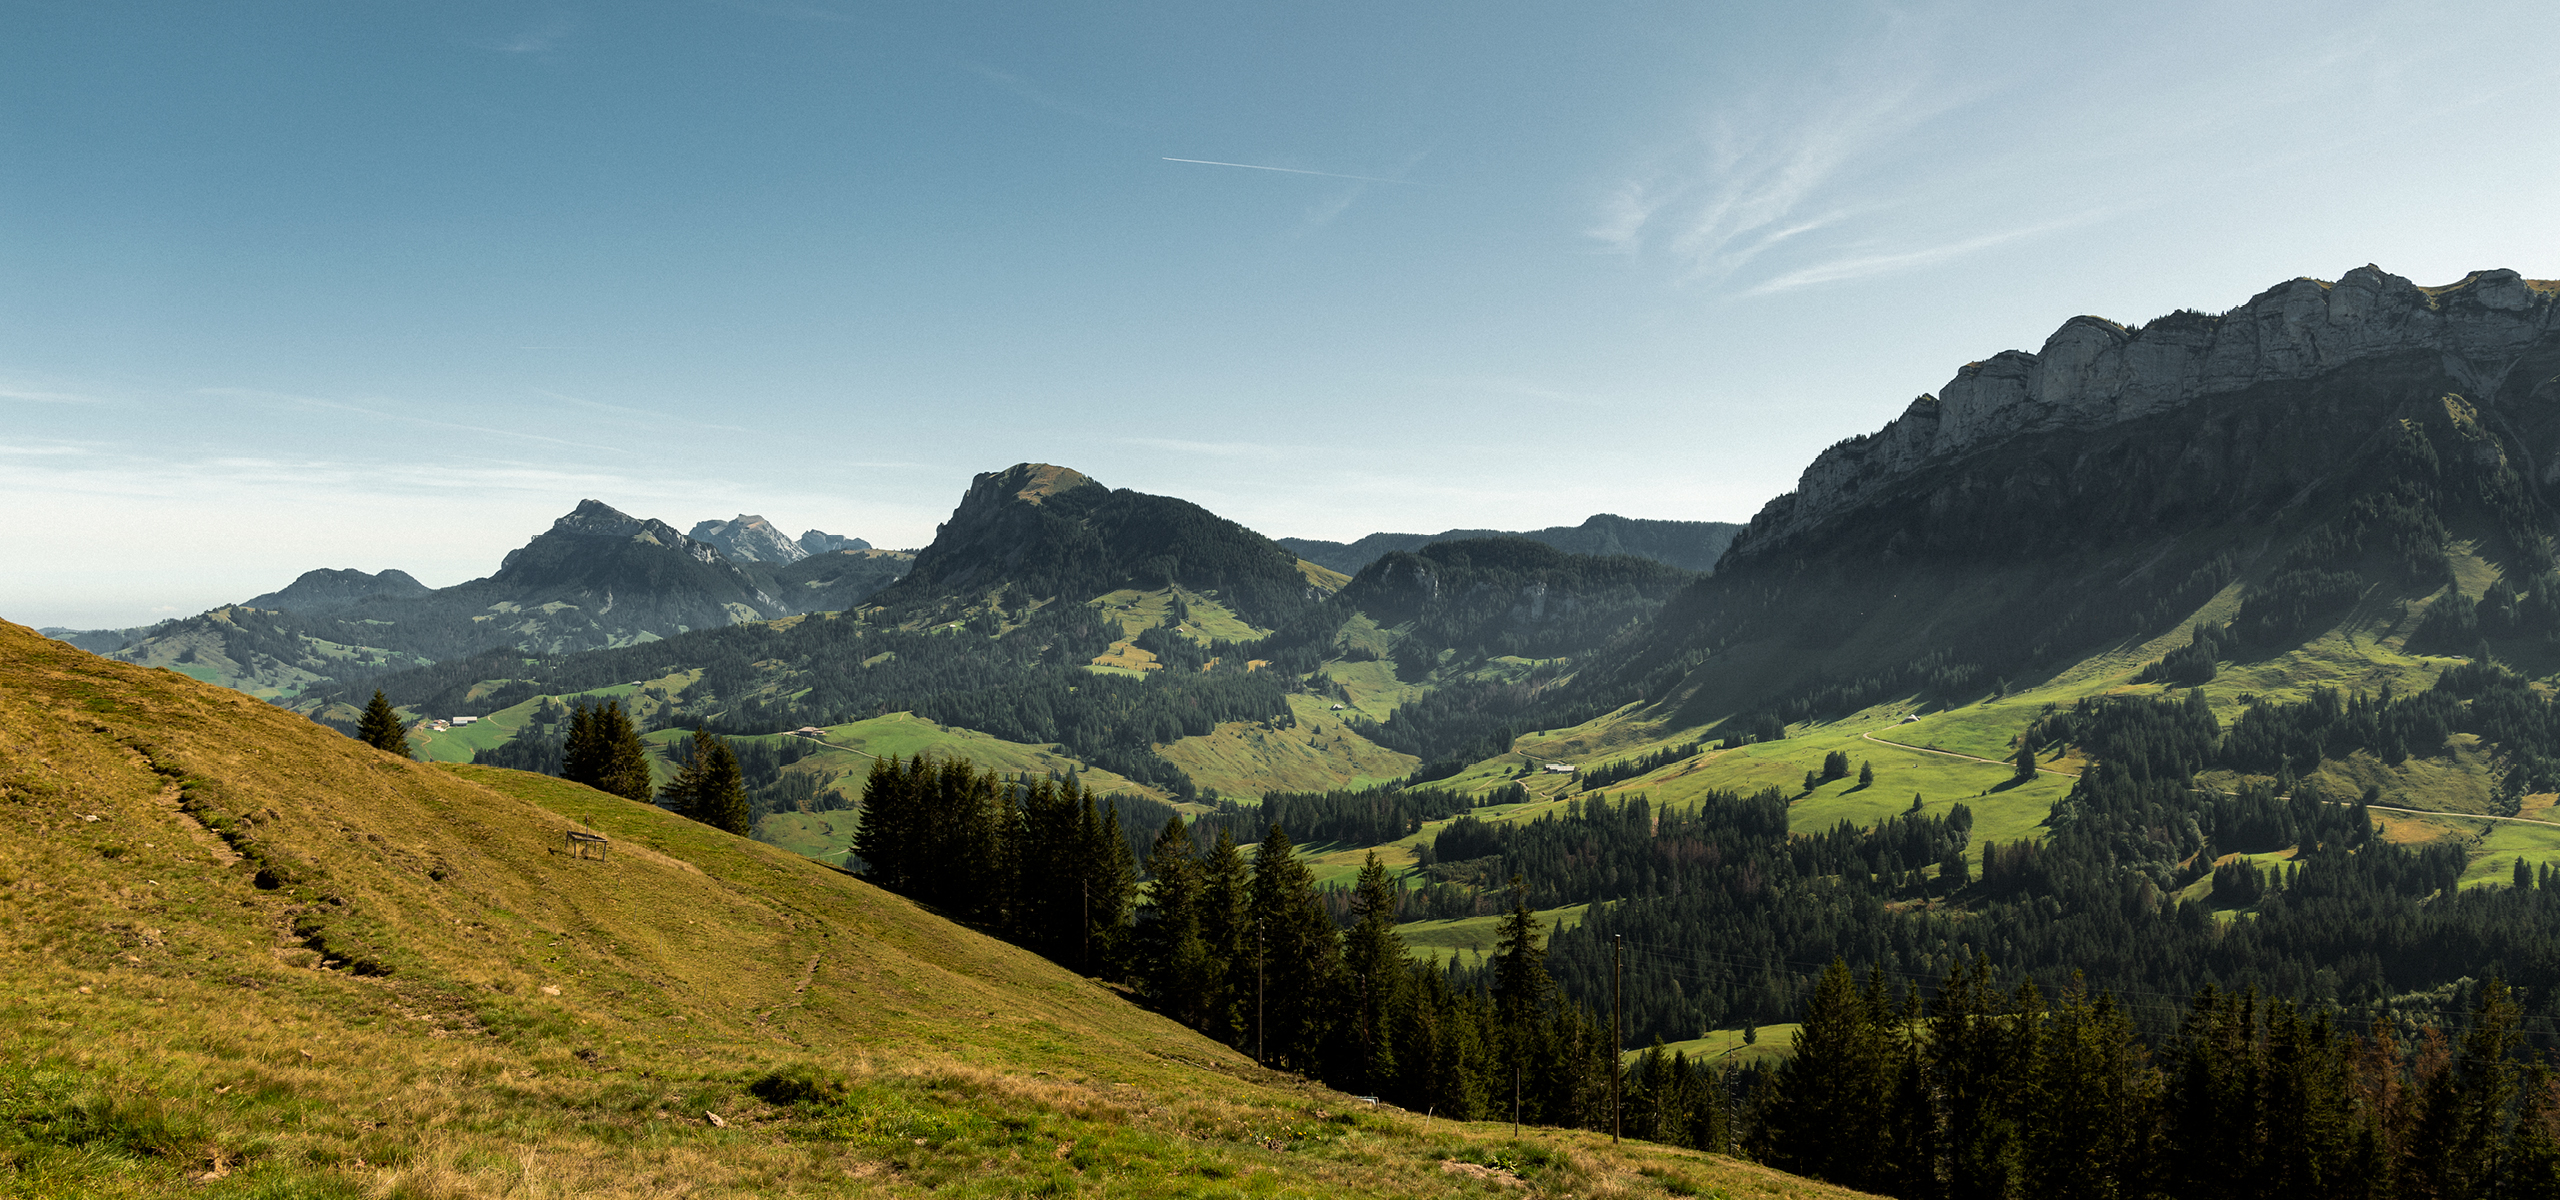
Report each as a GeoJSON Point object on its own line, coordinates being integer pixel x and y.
{"type": "Point", "coordinates": [749, 538]}
{"type": "Point", "coordinates": [595, 518]}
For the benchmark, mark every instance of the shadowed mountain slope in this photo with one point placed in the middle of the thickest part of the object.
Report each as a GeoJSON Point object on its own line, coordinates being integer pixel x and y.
{"type": "Point", "coordinates": [2325, 446]}
{"type": "Point", "coordinates": [1688, 545]}
{"type": "Point", "coordinates": [1049, 531]}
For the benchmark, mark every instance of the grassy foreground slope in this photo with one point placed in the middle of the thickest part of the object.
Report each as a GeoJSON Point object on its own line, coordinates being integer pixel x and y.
{"type": "Point", "coordinates": [245, 956]}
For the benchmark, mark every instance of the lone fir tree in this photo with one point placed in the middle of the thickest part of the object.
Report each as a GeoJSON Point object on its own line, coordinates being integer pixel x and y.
{"type": "Point", "coordinates": [381, 729]}
{"type": "Point", "coordinates": [711, 788]}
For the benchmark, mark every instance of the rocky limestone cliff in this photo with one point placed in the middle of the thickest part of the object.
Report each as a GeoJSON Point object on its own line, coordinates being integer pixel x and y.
{"type": "Point", "coordinates": [2093, 373]}
{"type": "Point", "coordinates": [596, 519]}
{"type": "Point", "coordinates": [821, 542]}
{"type": "Point", "coordinates": [749, 538]}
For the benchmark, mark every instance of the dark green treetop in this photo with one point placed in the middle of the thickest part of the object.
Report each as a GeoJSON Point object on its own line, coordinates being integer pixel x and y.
{"type": "Point", "coordinates": [381, 728]}
{"type": "Point", "coordinates": [603, 751]}
{"type": "Point", "coordinates": [711, 789]}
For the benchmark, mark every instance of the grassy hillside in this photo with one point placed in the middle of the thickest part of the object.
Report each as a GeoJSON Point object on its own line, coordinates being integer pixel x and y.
{"type": "Point", "coordinates": [245, 956]}
{"type": "Point", "coordinates": [851, 747]}
{"type": "Point", "coordinates": [1471, 938]}
{"type": "Point", "coordinates": [245, 648]}
{"type": "Point", "coordinates": [645, 701]}
{"type": "Point", "coordinates": [1248, 758]}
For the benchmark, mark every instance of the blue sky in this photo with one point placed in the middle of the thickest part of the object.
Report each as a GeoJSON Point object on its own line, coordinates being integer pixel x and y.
{"type": "Point", "coordinates": [393, 285]}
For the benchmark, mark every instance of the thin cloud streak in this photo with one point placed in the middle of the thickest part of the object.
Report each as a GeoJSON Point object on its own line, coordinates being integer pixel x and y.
{"type": "Point", "coordinates": [534, 41]}
{"type": "Point", "coordinates": [1210, 162]}
{"type": "Point", "coordinates": [27, 396]}
{"type": "Point", "coordinates": [1027, 90]}
{"type": "Point", "coordinates": [642, 413]}
{"type": "Point", "coordinates": [1214, 449]}
{"type": "Point", "coordinates": [1865, 266]}
{"type": "Point", "coordinates": [378, 414]}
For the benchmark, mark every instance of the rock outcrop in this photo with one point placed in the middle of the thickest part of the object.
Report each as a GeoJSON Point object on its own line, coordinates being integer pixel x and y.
{"type": "Point", "coordinates": [2093, 372]}
{"type": "Point", "coordinates": [750, 538]}
{"type": "Point", "coordinates": [820, 542]}
{"type": "Point", "coordinates": [597, 519]}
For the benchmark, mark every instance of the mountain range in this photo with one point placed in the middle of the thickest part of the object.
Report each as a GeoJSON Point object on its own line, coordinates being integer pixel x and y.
{"type": "Point", "coordinates": [2211, 652]}
{"type": "Point", "coordinates": [2323, 447]}
{"type": "Point", "coordinates": [597, 578]}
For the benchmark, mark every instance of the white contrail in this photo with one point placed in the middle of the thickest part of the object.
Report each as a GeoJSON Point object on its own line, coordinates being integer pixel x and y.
{"type": "Point", "coordinates": [1210, 162]}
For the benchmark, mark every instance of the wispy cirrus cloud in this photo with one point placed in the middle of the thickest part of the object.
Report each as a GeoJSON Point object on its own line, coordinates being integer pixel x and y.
{"type": "Point", "coordinates": [1216, 449]}
{"type": "Point", "coordinates": [644, 414]}
{"type": "Point", "coordinates": [1794, 159]}
{"type": "Point", "coordinates": [535, 40]}
{"type": "Point", "coordinates": [1033, 93]}
{"type": "Point", "coordinates": [399, 414]}
{"type": "Point", "coordinates": [1861, 266]}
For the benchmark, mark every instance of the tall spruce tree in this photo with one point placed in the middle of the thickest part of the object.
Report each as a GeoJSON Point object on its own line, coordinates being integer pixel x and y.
{"type": "Point", "coordinates": [1108, 878]}
{"type": "Point", "coordinates": [1226, 927]}
{"type": "Point", "coordinates": [603, 751]}
{"type": "Point", "coordinates": [2094, 1096]}
{"type": "Point", "coordinates": [2461, 1133]}
{"type": "Point", "coordinates": [885, 841]}
{"type": "Point", "coordinates": [1175, 970]}
{"type": "Point", "coordinates": [711, 788]}
{"type": "Point", "coordinates": [1050, 872]}
{"type": "Point", "coordinates": [1300, 954]}
{"type": "Point", "coordinates": [1520, 981]}
{"type": "Point", "coordinates": [1374, 959]}
{"type": "Point", "coordinates": [1827, 1116]}
{"type": "Point", "coordinates": [1971, 1051]}
{"type": "Point", "coordinates": [381, 728]}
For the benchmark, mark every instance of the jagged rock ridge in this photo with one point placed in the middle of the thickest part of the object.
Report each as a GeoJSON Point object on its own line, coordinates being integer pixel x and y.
{"type": "Point", "coordinates": [598, 578]}
{"type": "Point", "coordinates": [750, 538]}
{"type": "Point", "coordinates": [2093, 373]}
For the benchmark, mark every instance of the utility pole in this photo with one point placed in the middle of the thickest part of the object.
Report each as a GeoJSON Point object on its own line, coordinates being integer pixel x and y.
{"type": "Point", "coordinates": [1618, 1038]}
{"type": "Point", "coordinates": [1261, 1052]}
{"type": "Point", "coordinates": [1088, 927]}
